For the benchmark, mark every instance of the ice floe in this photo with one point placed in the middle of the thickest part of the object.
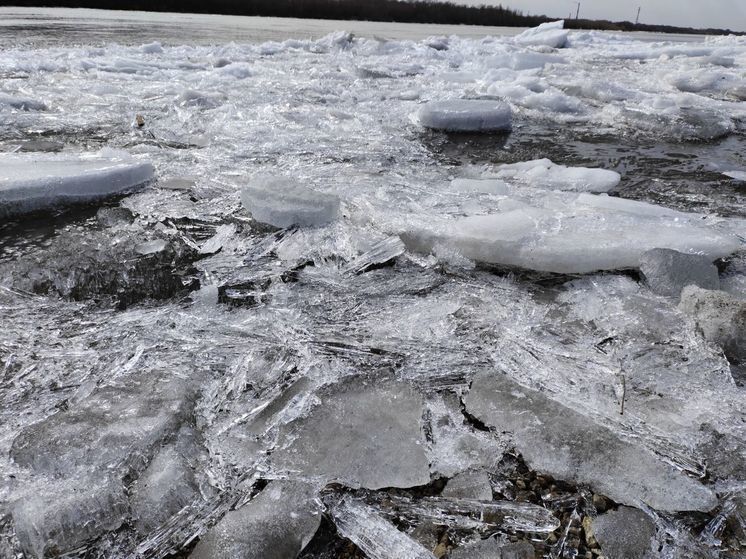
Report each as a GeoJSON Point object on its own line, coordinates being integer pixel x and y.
{"type": "Point", "coordinates": [573, 234]}
{"type": "Point", "coordinates": [32, 183]}
{"type": "Point", "coordinates": [466, 115]}
{"type": "Point", "coordinates": [281, 202]}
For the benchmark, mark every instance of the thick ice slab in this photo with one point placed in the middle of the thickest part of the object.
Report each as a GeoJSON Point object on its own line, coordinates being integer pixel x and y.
{"type": "Point", "coordinates": [32, 182]}
{"type": "Point", "coordinates": [573, 234]}
{"type": "Point", "coordinates": [281, 202]}
{"type": "Point", "coordinates": [277, 524]}
{"type": "Point", "coordinates": [544, 174]}
{"type": "Point", "coordinates": [550, 34]}
{"type": "Point", "coordinates": [466, 115]}
{"type": "Point", "coordinates": [557, 440]}
{"type": "Point", "coordinates": [362, 435]}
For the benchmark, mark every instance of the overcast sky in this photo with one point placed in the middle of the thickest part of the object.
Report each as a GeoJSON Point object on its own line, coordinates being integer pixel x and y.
{"type": "Point", "coordinates": [730, 14]}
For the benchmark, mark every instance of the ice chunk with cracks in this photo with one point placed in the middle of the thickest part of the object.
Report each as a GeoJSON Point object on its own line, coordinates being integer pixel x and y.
{"type": "Point", "coordinates": [573, 233]}
{"type": "Point", "coordinates": [114, 428]}
{"type": "Point", "coordinates": [33, 183]}
{"type": "Point", "coordinates": [277, 524]}
{"type": "Point", "coordinates": [281, 202]}
{"type": "Point", "coordinates": [60, 516]}
{"type": "Point", "coordinates": [373, 534]}
{"type": "Point", "coordinates": [570, 446]}
{"type": "Point", "coordinates": [542, 173]}
{"type": "Point", "coordinates": [362, 433]}
{"type": "Point", "coordinates": [466, 115]}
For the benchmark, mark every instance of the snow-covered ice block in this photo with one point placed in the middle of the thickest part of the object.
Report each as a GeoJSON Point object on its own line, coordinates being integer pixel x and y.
{"type": "Point", "coordinates": [466, 115]}
{"type": "Point", "coordinates": [21, 103]}
{"type": "Point", "coordinates": [542, 173]}
{"type": "Point", "coordinates": [573, 234]}
{"type": "Point", "coordinates": [550, 34]}
{"type": "Point", "coordinates": [280, 202]}
{"type": "Point", "coordinates": [33, 182]}
{"type": "Point", "coordinates": [557, 440]}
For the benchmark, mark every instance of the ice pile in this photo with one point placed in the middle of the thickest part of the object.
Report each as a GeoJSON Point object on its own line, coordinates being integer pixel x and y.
{"type": "Point", "coordinates": [465, 115]}
{"type": "Point", "coordinates": [280, 202]}
{"type": "Point", "coordinates": [31, 183]}
{"type": "Point", "coordinates": [573, 234]}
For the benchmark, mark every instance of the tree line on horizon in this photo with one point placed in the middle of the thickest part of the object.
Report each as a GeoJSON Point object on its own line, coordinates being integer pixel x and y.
{"type": "Point", "coordinates": [406, 11]}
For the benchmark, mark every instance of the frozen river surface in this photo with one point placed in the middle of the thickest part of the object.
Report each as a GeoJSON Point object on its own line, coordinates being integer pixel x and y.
{"type": "Point", "coordinates": [314, 324]}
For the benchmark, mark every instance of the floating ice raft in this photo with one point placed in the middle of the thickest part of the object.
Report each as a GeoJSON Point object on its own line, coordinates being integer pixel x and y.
{"type": "Point", "coordinates": [33, 183]}
{"type": "Point", "coordinates": [573, 234]}
{"type": "Point", "coordinates": [542, 173]}
{"type": "Point", "coordinates": [466, 115]}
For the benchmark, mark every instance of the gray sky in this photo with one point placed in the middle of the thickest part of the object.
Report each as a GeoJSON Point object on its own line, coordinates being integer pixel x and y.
{"type": "Point", "coordinates": [729, 14]}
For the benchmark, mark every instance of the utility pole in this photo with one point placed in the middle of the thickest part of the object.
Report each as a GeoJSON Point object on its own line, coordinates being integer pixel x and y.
{"type": "Point", "coordinates": [637, 20]}
{"type": "Point", "coordinates": [577, 13]}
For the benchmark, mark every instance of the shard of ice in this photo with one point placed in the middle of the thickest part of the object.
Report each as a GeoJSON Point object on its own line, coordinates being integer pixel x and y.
{"type": "Point", "coordinates": [33, 183]}
{"type": "Point", "coordinates": [373, 534]}
{"type": "Point", "coordinates": [281, 202]}
{"type": "Point", "coordinates": [567, 445]}
{"type": "Point", "coordinates": [466, 115]}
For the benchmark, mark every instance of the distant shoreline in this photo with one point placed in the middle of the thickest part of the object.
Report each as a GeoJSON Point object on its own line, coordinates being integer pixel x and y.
{"type": "Point", "coordinates": [365, 10]}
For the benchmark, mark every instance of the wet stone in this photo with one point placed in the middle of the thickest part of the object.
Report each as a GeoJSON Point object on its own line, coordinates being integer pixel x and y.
{"type": "Point", "coordinates": [668, 271]}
